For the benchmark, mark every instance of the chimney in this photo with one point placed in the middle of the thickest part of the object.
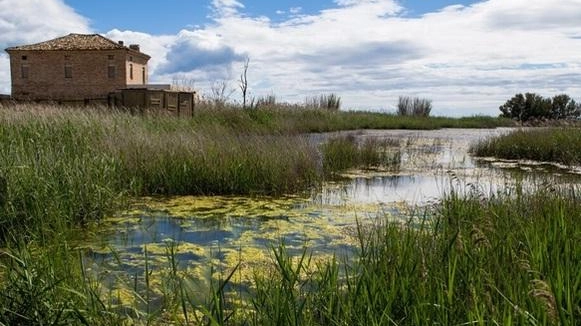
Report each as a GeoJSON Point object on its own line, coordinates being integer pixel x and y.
{"type": "Point", "coordinates": [134, 47]}
{"type": "Point", "coordinates": [120, 42]}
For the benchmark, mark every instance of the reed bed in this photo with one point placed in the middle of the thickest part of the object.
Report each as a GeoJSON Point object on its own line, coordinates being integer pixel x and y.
{"type": "Point", "coordinates": [560, 145]}
{"type": "Point", "coordinates": [507, 260]}
{"type": "Point", "coordinates": [287, 119]}
{"type": "Point", "coordinates": [343, 153]}
{"type": "Point", "coordinates": [504, 259]}
{"type": "Point", "coordinates": [63, 167]}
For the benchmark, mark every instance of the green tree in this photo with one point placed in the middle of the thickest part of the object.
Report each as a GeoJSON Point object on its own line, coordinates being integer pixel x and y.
{"type": "Point", "coordinates": [564, 107]}
{"type": "Point", "coordinates": [533, 106]}
{"type": "Point", "coordinates": [514, 107]}
{"type": "Point", "coordinates": [537, 106]}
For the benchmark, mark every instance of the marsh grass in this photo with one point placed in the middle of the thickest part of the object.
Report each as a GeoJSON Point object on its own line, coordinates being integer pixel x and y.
{"type": "Point", "coordinates": [49, 285]}
{"type": "Point", "coordinates": [64, 168]}
{"type": "Point", "coordinates": [285, 118]}
{"type": "Point", "coordinates": [342, 153]}
{"type": "Point", "coordinates": [61, 168]}
{"type": "Point", "coordinates": [325, 101]}
{"type": "Point", "coordinates": [414, 106]}
{"type": "Point", "coordinates": [561, 145]}
{"type": "Point", "coordinates": [507, 259]}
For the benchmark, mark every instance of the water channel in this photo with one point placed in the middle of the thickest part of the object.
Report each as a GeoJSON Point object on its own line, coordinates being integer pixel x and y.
{"type": "Point", "coordinates": [212, 234]}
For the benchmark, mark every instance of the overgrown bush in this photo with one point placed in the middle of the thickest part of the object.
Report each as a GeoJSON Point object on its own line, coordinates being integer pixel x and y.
{"type": "Point", "coordinates": [267, 101]}
{"type": "Point", "coordinates": [414, 106]}
{"type": "Point", "coordinates": [533, 106]}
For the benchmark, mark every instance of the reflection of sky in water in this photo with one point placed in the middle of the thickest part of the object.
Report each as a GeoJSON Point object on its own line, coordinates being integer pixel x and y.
{"type": "Point", "coordinates": [227, 229]}
{"type": "Point", "coordinates": [412, 189]}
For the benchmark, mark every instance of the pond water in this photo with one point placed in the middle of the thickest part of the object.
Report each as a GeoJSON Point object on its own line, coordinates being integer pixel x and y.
{"type": "Point", "coordinates": [209, 235]}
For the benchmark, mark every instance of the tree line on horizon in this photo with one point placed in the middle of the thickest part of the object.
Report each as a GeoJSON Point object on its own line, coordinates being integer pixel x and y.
{"type": "Point", "coordinates": [532, 106]}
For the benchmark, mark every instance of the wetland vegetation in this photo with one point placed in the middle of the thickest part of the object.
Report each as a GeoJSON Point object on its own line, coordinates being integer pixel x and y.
{"type": "Point", "coordinates": [559, 145]}
{"type": "Point", "coordinates": [61, 167]}
{"type": "Point", "coordinates": [506, 256]}
{"type": "Point", "coordinates": [509, 259]}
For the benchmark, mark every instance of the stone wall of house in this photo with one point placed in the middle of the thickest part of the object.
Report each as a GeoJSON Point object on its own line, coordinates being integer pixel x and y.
{"type": "Point", "coordinates": [139, 66]}
{"type": "Point", "coordinates": [72, 75]}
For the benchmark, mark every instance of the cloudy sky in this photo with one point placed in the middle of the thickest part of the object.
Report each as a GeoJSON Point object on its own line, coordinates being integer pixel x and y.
{"type": "Point", "coordinates": [467, 56]}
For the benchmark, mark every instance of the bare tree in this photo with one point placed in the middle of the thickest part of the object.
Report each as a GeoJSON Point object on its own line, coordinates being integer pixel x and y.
{"type": "Point", "coordinates": [220, 93]}
{"type": "Point", "coordinates": [183, 84]}
{"type": "Point", "coordinates": [243, 82]}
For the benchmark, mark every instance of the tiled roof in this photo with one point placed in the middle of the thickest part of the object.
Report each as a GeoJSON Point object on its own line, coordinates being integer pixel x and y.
{"type": "Point", "coordinates": [73, 42]}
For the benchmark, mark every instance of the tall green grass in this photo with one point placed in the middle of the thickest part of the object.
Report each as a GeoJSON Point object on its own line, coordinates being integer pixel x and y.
{"type": "Point", "coordinates": [296, 119]}
{"type": "Point", "coordinates": [342, 153]}
{"type": "Point", "coordinates": [61, 168]}
{"type": "Point", "coordinates": [48, 285]}
{"type": "Point", "coordinates": [64, 167]}
{"type": "Point", "coordinates": [561, 145]}
{"type": "Point", "coordinates": [511, 259]}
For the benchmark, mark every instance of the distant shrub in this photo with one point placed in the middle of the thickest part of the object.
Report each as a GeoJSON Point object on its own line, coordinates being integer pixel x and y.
{"type": "Point", "coordinates": [268, 101]}
{"type": "Point", "coordinates": [414, 106]}
{"type": "Point", "coordinates": [533, 106]}
{"type": "Point", "coordinates": [325, 101]}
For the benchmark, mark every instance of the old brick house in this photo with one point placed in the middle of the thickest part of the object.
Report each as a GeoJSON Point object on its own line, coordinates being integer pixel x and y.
{"type": "Point", "coordinates": [76, 67]}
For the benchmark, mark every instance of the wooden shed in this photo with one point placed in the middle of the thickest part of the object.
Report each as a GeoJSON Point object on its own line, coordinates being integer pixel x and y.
{"type": "Point", "coordinates": [162, 100]}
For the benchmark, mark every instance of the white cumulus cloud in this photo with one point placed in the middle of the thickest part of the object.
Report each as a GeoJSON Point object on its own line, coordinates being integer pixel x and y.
{"type": "Point", "coordinates": [468, 59]}
{"type": "Point", "coordinates": [31, 21]}
{"type": "Point", "coordinates": [28, 21]}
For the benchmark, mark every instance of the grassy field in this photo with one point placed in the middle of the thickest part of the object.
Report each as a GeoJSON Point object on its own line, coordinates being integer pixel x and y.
{"type": "Point", "coordinates": [511, 259]}
{"type": "Point", "coordinates": [561, 145]}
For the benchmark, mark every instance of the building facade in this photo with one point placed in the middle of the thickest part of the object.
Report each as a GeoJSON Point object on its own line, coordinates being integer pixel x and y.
{"type": "Point", "coordinates": [76, 67]}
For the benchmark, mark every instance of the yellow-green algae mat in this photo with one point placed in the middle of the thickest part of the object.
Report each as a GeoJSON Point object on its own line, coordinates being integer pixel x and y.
{"type": "Point", "coordinates": [206, 237]}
